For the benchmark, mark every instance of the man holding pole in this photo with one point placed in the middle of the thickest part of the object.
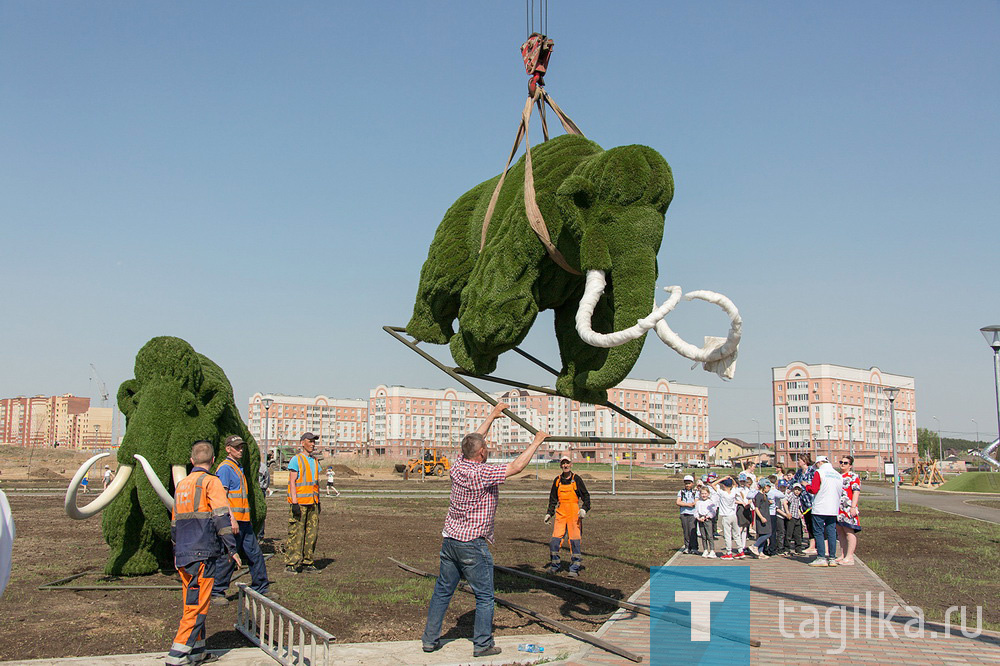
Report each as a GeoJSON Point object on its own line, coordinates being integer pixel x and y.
{"type": "Point", "coordinates": [468, 531]}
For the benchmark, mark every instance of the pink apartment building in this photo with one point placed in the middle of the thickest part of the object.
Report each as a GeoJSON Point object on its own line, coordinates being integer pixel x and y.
{"type": "Point", "coordinates": [342, 424]}
{"type": "Point", "coordinates": [66, 420]}
{"type": "Point", "coordinates": [833, 409]}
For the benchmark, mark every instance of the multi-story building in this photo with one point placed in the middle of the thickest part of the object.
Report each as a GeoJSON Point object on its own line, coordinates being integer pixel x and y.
{"type": "Point", "coordinates": [342, 424]}
{"type": "Point", "coordinates": [403, 421]}
{"type": "Point", "coordinates": [59, 420]}
{"type": "Point", "coordinates": [832, 410]}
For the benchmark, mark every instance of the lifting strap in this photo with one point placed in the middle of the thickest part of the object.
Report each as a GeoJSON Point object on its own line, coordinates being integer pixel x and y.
{"type": "Point", "coordinates": [535, 66]}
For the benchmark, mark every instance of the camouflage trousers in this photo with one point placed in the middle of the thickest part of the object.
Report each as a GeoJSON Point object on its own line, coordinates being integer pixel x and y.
{"type": "Point", "coordinates": [302, 534]}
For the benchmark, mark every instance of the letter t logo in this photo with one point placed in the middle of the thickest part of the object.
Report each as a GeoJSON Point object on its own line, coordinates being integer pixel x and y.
{"type": "Point", "coordinates": [701, 610]}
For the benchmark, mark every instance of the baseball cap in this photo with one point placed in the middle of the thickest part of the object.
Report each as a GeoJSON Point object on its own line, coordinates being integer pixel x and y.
{"type": "Point", "coordinates": [820, 459]}
{"type": "Point", "coordinates": [712, 475]}
{"type": "Point", "coordinates": [765, 482]}
{"type": "Point", "coordinates": [728, 483]}
{"type": "Point", "coordinates": [234, 440]}
{"type": "Point", "coordinates": [688, 477]}
{"type": "Point", "coordinates": [797, 485]}
{"type": "Point", "coordinates": [308, 435]}
{"type": "Point", "coordinates": [704, 478]}
{"type": "Point", "coordinates": [782, 483]}
{"type": "Point", "coordinates": [743, 476]}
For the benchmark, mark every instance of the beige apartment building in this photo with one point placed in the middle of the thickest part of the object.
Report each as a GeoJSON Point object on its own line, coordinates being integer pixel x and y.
{"type": "Point", "coordinates": [59, 420]}
{"type": "Point", "coordinates": [342, 424]}
{"type": "Point", "coordinates": [828, 409]}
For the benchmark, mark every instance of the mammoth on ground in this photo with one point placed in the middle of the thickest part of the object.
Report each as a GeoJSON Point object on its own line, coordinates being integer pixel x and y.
{"type": "Point", "coordinates": [604, 210]}
{"type": "Point", "coordinates": [178, 396]}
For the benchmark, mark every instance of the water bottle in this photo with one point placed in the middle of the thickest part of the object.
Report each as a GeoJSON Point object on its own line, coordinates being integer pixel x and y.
{"type": "Point", "coordinates": [530, 647]}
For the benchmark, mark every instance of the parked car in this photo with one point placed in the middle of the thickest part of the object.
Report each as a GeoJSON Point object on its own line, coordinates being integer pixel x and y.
{"type": "Point", "coordinates": [673, 465]}
{"type": "Point", "coordinates": [700, 464]}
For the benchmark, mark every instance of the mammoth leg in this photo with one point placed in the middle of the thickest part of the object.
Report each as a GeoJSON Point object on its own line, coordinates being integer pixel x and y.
{"type": "Point", "coordinates": [135, 548]}
{"type": "Point", "coordinates": [450, 261]}
{"type": "Point", "coordinates": [498, 306]}
{"type": "Point", "coordinates": [577, 356]}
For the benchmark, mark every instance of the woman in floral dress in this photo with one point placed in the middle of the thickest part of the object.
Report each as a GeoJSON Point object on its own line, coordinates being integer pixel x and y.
{"type": "Point", "coordinates": [848, 520]}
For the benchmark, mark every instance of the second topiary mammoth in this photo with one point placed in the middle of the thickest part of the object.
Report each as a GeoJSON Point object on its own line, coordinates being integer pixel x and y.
{"type": "Point", "coordinates": [604, 210]}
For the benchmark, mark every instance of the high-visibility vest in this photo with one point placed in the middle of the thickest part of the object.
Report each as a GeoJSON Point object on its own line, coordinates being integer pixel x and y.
{"type": "Point", "coordinates": [239, 503]}
{"type": "Point", "coordinates": [306, 486]}
{"type": "Point", "coordinates": [200, 519]}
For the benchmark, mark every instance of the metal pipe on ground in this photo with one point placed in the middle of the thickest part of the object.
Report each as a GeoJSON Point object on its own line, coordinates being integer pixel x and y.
{"type": "Point", "coordinates": [561, 626]}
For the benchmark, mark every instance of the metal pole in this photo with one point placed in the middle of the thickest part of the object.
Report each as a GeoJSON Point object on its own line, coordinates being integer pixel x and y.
{"type": "Point", "coordinates": [996, 383]}
{"type": "Point", "coordinates": [614, 458]}
{"type": "Point", "coordinates": [895, 459]}
{"type": "Point", "coordinates": [977, 432]}
{"type": "Point", "coordinates": [829, 447]}
{"type": "Point", "coordinates": [850, 435]}
{"type": "Point", "coordinates": [940, 447]}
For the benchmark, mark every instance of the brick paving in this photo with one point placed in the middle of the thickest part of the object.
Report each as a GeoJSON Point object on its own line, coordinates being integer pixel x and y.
{"type": "Point", "coordinates": [822, 588]}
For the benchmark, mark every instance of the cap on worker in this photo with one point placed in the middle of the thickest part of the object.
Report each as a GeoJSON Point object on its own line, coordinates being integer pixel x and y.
{"type": "Point", "coordinates": [820, 459]}
{"type": "Point", "coordinates": [565, 460]}
{"type": "Point", "coordinates": [308, 435]}
{"type": "Point", "coordinates": [234, 441]}
{"type": "Point", "coordinates": [688, 477]}
{"type": "Point", "coordinates": [764, 483]}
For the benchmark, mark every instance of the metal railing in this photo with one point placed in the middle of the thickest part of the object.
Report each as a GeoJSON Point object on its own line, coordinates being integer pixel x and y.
{"type": "Point", "coordinates": [283, 635]}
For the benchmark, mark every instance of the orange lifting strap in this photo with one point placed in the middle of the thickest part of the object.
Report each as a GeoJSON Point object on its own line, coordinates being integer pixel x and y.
{"type": "Point", "coordinates": [536, 52]}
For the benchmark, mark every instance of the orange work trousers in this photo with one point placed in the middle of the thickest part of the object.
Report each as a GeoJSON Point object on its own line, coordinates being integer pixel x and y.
{"type": "Point", "coordinates": [567, 523]}
{"type": "Point", "coordinates": [197, 579]}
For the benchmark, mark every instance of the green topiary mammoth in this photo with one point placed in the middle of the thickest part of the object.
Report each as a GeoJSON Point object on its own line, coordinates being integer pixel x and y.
{"type": "Point", "coordinates": [604, 210]}
{"type": "Point", "coordinates": [178, 396]}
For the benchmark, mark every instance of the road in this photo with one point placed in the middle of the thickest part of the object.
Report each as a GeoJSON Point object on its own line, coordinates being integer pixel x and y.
{"type": "Point", "coordinates": [954, 503]}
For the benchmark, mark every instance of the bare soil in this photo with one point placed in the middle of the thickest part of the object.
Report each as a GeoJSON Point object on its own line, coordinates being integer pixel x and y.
{"type": "Point", "coordinates": [358, 595]}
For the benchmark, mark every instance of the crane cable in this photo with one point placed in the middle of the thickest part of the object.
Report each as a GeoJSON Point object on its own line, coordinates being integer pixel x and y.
{"type": "Point", "coordinates": [535, 52]}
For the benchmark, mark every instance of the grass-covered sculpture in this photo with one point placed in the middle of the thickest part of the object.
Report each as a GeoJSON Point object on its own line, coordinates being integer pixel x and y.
{"type": "Point", "coordinates": [604, 210]}
{"type": "Point", "coordinates": [178, 396]}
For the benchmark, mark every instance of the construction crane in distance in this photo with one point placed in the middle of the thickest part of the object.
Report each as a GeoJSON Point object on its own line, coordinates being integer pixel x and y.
{"type": "Point", "coordinates": [100, 386]}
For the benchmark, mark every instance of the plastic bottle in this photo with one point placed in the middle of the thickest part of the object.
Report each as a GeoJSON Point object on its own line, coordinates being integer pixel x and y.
{"type": "Point", "coordinates": [530, 647]}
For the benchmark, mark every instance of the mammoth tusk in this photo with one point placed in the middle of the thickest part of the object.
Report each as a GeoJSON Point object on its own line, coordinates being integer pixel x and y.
{"type": "Point", "coordinates": [103, 500]}
{"type": "Point", "coordinates": [154, 481]}
{"type": "Point", "coordinates": [177, 473]}
{"type": "Point", "coordinates": [718, 355]}
{"type": "Point", "coordinates": [593, 291]}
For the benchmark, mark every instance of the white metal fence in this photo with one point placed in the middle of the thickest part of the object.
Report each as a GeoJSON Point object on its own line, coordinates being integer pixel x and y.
{"type": "Point", "coordinates": [288, 638]}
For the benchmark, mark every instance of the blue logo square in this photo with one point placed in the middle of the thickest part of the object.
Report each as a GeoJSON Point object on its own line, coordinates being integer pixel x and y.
{"type": "Point", "coordinates": [699, 616]}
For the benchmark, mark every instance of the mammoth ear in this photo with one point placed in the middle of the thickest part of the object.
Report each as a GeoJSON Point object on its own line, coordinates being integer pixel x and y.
{"type": "Point", "coordinates": [579, 189]}
{"type": "Point", "coordinates": [127, 396]}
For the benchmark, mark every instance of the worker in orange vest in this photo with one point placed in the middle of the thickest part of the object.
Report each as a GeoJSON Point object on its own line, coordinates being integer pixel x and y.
{"type": "Point", "coordinates": [201, 528]}
{"type": "Point", "coordinates": [303, 500]}
{"type": "Point", "coordinates": [569, 501]}
{"type": "Point", "coordinates": [235, 483]}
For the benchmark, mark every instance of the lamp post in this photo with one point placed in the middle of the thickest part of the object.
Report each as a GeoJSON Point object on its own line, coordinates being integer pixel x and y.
{"type": "Point", "coordinates": [850, 422]}
{"type": "Point", "coordinates": [977, 431]}
{"type": "Point", "coordinates": [262, 476]}
{"type": "Point", "coordinates": [992, 335]}
{"type": "Point", "coordinates": [97, 434]}
{"type": "Point", "coordinates": [829, 447]}
{"type": "Point", "coordinates": [940, 447]}
{"type": "Point", "coordinates": [891, 392]}
{"type": "Point", "coordinates": [815, 445]}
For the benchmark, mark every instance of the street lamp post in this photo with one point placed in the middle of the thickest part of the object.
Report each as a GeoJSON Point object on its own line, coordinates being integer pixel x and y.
{"type": "Point", "coordinates": [940, 447]}
{"type": "Point", "coordinates": [829, 447]}
{"type": "Point", "coordinates": [262, 475]}
{"type": "Point", "coordinates": [97, 434]}
{"type": "Point", "coordinates": [992, 335]}
{"type": "Point", "coordinates": [815, 445]}
{"type": "Point", "coordinates": [975, 423]}
{"type": "Point", "coordinates": [850, 435]}
{"type": "Point", "coordinates": [891, 392]}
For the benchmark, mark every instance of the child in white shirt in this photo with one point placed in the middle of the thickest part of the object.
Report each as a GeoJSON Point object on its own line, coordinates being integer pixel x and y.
{"type": "Point", "coordinates": [704, 511]}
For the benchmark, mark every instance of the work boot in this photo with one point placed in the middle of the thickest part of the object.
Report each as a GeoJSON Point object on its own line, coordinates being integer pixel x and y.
{"type": "Point", "coordinates": [486, 652]}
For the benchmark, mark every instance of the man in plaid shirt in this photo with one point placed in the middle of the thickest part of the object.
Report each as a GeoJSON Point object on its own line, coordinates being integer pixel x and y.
{"type": "Point", "coordinates": [468, 529]}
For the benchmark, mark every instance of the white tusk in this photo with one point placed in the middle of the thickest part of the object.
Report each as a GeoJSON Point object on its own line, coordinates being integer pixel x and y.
{"type": "Point", "coordinates": [718, 355]}
{"type": "Point", "coordinates": [593, 291]}
{"type": "Point", "coordinates": [154, 481]}
{"type": "Point", "coordinates": [103, 500]}
{"type": "Point", "coordinates": [177, 473]}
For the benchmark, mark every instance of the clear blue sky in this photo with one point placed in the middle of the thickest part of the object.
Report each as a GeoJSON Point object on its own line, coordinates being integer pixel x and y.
{"type": "Point", "coordinates": [264, 179]}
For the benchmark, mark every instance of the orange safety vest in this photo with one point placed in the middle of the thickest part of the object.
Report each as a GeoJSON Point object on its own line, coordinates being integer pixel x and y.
{"type": "Point", "coordinates": [306, 485]}
{"type": "Point", "coordinates": [239, 503]}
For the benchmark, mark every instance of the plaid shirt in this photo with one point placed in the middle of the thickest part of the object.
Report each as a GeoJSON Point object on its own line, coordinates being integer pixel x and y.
{"type": "Point", "coordinates": [473, 502]}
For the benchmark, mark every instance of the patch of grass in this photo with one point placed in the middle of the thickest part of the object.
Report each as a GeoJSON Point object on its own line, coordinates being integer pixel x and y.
{"type": "Point", "coordinates": [974, 482]}
{"type": "Point", "coordinates": [991, 503]}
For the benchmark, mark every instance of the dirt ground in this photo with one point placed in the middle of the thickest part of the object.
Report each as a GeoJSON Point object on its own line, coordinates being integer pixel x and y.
{"type": "Point", "coordinates": [357, 596]}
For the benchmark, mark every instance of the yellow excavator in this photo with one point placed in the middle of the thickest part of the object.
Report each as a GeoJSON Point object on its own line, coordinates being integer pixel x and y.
{"type": "Point", "coordinates": [433, 465]}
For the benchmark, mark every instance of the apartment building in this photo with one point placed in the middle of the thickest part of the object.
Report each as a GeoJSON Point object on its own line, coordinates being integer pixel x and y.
{"type": "Point", "coordinates": [342, 424]}
{"type": "Point", "coordinates": [833, 409]}
{"type": "Point", "coordinates": [58, 420]}
{"type": "Point", "coordinates": [403, 421]}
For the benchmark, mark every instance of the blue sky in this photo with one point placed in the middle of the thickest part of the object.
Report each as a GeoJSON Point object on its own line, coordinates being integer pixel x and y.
{"type": "Point", "coordinates": [263, 180]}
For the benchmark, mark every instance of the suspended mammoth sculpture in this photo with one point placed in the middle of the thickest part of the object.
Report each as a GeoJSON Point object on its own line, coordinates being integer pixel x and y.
{"type": "Point", "coordinates": [604, 211]}
{"type": "Point", "coordinates": [178, 396]}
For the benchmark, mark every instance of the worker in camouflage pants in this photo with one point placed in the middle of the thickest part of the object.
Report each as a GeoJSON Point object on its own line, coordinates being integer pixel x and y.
{"type": "Point", "coordinates": [304, 508]}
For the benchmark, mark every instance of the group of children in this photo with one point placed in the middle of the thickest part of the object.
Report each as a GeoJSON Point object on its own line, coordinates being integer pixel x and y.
{"type": "Point", "coordinates": [772, 507]}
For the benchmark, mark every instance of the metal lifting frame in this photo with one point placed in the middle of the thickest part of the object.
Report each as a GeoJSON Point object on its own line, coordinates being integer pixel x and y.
{"type": "Point", "coordinates": [283, 635]}
{"type": "Point", "coordinates": [459, 374]}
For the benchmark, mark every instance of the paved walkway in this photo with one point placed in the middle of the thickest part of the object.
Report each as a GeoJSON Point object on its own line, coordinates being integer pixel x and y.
{"type": "Point", "coordinates": [791, 581]}
{"type": "Point", "coordinates": [960, 504]}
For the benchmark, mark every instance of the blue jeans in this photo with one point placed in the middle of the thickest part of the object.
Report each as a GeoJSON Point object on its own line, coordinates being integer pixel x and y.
{"type": "Point", "coordinates": [825, 529]}
{"type": "Point", "coordinates": [246, 542]}
{"type": "Point", "coordinates": [472, 561]}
